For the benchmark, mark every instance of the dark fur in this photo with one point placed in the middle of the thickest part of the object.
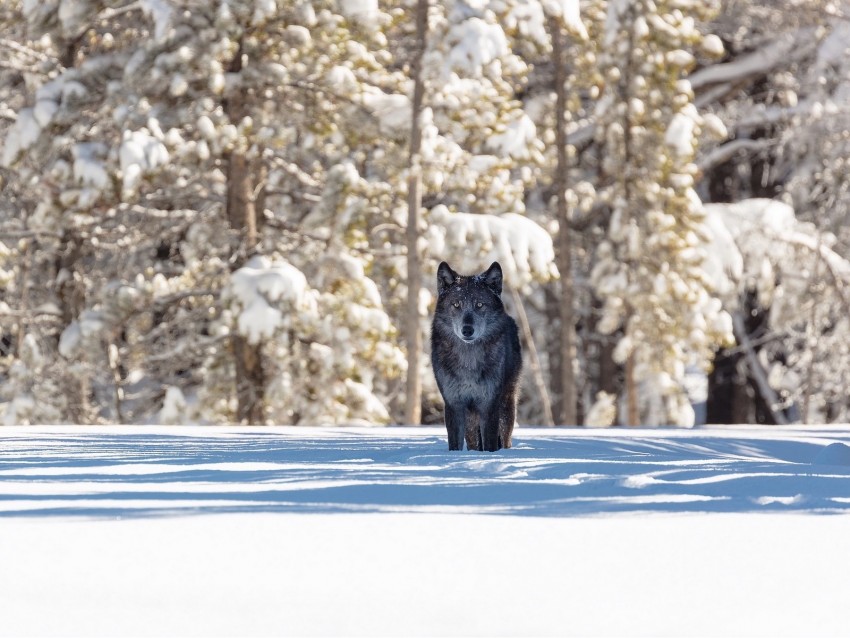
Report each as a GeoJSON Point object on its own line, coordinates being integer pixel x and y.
{"type": "Point", "coordinates": [477, 359]}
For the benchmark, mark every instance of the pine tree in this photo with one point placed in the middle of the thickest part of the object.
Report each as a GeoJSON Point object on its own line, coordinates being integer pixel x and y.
{"type": "Point", "coordinates": [649, 270]}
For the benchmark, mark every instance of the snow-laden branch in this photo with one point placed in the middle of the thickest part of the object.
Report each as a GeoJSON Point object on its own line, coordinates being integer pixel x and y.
{"type": "Point", "coordinates": [780, 50]}
{"type": "Point", "coordinates": [727, 151]}
{"type": "Point", "coordinates": [837, 267]}
{"type": "Point", "coordinates": [716, 81]}
{"type": "Point", "coordinates": [778, 114]}
{"type": "Point", "coordinates": [523, 247]}
{"type": "Point", "coordinates": [27, 51]}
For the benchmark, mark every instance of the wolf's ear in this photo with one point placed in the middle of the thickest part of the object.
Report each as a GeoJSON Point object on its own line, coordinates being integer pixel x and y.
{"type": "Point", "coordinates": [445, 277]}
{"type": "Point", "coordinates": [493, 277]}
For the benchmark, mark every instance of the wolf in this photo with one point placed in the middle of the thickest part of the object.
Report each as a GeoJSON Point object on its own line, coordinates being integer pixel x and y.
{"type": "Point", "coordinates": [477, 359]}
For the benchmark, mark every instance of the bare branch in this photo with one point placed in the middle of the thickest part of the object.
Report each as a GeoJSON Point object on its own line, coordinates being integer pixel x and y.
{"type": "Point", "coordinates": [727, 151]}
{"type": "Point", "coordinates": [759, 374]}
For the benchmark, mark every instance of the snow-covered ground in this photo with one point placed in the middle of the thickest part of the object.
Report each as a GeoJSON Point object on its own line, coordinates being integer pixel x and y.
{"type": "Point", "coordinates": [355, 531]}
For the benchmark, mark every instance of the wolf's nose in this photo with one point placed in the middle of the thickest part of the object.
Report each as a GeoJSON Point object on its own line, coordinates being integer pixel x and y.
{"type": "Point", "coordinates": [467, 331]}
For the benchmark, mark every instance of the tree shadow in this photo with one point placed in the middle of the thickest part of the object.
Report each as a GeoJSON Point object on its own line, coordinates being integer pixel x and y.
{"type": "Point", "coordinates": [547, 473]}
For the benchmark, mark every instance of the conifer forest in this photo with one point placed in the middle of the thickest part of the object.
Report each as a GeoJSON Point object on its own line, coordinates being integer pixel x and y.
{"type": "Point", "coordinates": [232, 211]}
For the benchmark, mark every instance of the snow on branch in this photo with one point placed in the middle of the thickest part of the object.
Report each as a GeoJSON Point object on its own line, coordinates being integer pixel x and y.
{"type": "Point", "coordinates": [727, 151]}
{"type": "Point", "coordinates": [780, 50]}
{"type": "Point", "coordinates": [568, 12]}
{"type": "Point", "coordinates": [470, 242]}
{"type": "Point", "coordinates": [260, 288]}
{"type": "Point", "coordinates": [475, 44]}
{"type": "Point", "coordinates": [751, 238]}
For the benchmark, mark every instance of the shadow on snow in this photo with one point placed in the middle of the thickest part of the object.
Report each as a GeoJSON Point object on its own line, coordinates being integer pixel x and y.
{"type": "Point", "coordinates": [546, 474]}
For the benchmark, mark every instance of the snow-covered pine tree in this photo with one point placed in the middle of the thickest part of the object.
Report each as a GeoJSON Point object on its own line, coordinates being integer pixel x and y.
{"type": "Point", "coordinates": [787, 272]}
{"type": "Point", "coordinates": [649, 270]}
{"type": "Point", "coordinates": [481, 151]}
{"type": "Point", "coordinates": [780, 92]}
{"type": "Point", "coordinates": [137, 175]}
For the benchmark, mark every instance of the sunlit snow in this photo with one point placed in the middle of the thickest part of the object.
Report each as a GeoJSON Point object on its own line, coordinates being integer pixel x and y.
{"type": "Point", "coordinates": [711, 531]}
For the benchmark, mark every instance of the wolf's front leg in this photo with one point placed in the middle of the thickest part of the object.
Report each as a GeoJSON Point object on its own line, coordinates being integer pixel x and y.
{"type": "Point", "coordinates": [455, 426]}
{"type": "Point", "coordinates": [473, 431]}
{"type": "Point", "coordinates": [507, 417]}
{"type": "Point", "coordinates": [490, 440]}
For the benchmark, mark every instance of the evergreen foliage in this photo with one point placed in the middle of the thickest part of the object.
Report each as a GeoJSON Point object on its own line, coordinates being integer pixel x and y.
{"type": "Point", "coordinates": [192, 190]}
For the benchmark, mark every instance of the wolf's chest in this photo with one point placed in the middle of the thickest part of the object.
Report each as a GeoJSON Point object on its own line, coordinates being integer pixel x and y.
{"type": "Point", "coordinates": [472, 379]}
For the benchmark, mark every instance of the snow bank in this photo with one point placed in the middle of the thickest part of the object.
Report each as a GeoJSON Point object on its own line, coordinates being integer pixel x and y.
{"type": "Point", "coordinates": [834, 454]}
{"type": "Point", "coordinates": [151, 517]}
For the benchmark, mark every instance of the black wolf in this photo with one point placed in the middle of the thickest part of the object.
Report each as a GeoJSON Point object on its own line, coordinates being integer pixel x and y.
{"type": "Point", "coordinates": [476, 357]}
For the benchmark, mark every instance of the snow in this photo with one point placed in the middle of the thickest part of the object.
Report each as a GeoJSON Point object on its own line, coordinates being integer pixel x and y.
{"type": "Point", "coordinates": [362, 11]}
{"type": "Point", "coordinates": [752, 237]}
{"type": "Point", "coordinates": [21, 135]}
{"type": "Point", "coordinates": [471, 242]}
{"type": "Point", "coordinates": [775, 52]}
{"type": "Point", "coordinates": [160, 12]}
{"type": "Point", "coordinates": [88, 169]}
{"type": "Point", "coordinates": [259, 288]}
{"type": "Point", "coordinates": [680, 134]}
{"type": "Point", "coordinates": [72, 14]}
{"type": "Point", "coordinates": [91, 323]}
{"type": "Point", "coordinates": [43, 111]}
{"type": "Point", "coordinates": [514, 141]}
{"type": "Point", "coordinates": [139, 154]}
{"type": "Point", "coordinates": [393, 111]}
{"type": "Point", "coordinates": [70, 339]}
{"type": "Point", "coordinates": [173, 406]}
{"type": "Point", "coordinates": [712, 45]}
{"type": "Point", "coordinates": [835, 46]}
{"type": "Point", "coordinates": [603, 412]}
{"type": "Point", "coordinates": [680, 58]}
{"type": "Point", "coordinates": [476, 44]}
{"type": "Point", "coordinates": [204, 531]}
{"type": "Point", "coordinates": [837, 453]}
{"type": "Point", "coordinates": [568, 11]}
{"type": "Point", "coordinates": [613, 18]}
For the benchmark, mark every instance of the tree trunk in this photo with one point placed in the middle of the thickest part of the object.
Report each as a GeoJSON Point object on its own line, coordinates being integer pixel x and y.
{"type": "Point", "coordinates": [629, 161]}
{"type": "Point", "coordinates": [242, 217]}
{"type": "Point", "coordinates": [71, 295]}
{"type": "Point", "coordinates": [552, 298]}
{"type": "Point", "coordinates": [250, 381]}
{"type": "Point", "coordinates": [567, 413]}
{"type": "Point", "coordinates": [534, 360]}
{"type": "Point", "coordinates": [413, 336]}
{"type": "Point", "coordinates": [632, 411]}
{"type": "Point", "coordinates": [241, 212]}
{"type": "Point", "coordinates": [759, 374]}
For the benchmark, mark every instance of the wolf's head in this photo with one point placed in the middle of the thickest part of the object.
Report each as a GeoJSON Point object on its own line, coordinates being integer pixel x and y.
{"type": "Point", "coordinates": [469, 306]}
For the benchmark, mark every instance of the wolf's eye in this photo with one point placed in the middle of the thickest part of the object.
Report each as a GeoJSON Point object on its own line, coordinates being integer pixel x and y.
{"type": "Point", "coordinates": [479, 305]}
{"type": "Point", "coordinates": [456, 304]}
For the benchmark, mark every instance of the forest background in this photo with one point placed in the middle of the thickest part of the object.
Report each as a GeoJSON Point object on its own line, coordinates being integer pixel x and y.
{"type": "Point", "coordinates": [232, 211]}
